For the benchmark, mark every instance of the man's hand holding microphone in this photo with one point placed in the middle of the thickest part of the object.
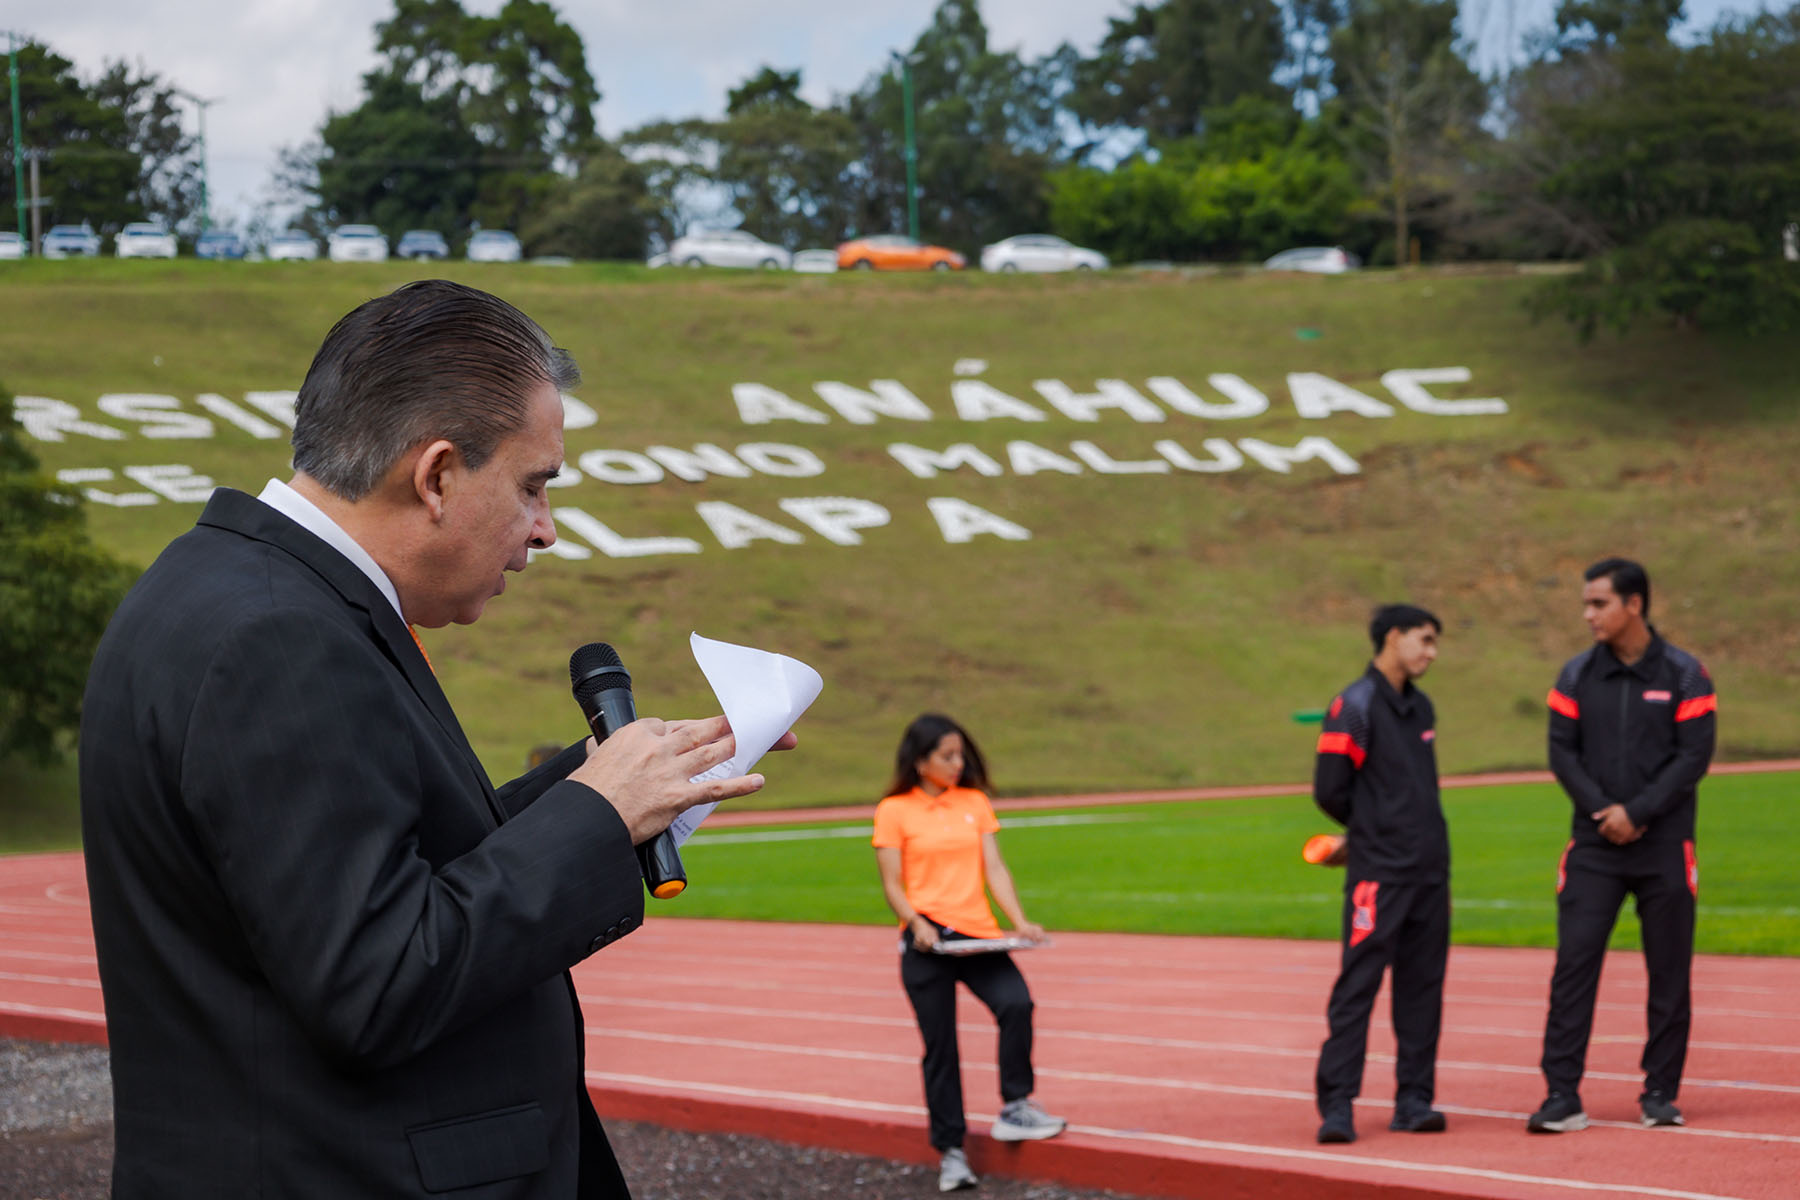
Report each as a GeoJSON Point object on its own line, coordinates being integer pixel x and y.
{"type": "Point", "coordinates": [646, 767]}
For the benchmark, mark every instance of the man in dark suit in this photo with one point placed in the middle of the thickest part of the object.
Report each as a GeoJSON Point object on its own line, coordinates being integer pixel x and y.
{"type": "Point", "coordinates": [334, 957]}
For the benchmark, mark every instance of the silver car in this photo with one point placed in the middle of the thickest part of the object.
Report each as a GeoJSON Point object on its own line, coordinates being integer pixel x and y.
{"type": "Point", "coordinates": [291, 245]}
{"type": "Point", "coordinates": [11, 245]}
{"type": "Point", "coordinates": [1315, 260]}
{"type": "Point", "coordinates": [144, 239]}
{"type": "Point", "coordinates": [356, 243]}
{"type": "Point", "coordinates": [71, 241]}
{"type": "Point", "coordinates": [1040, 252]}
{"type": "Point", "coordinates": [728, 248]}
{"type": "Point", "coordinates": [493, 245]}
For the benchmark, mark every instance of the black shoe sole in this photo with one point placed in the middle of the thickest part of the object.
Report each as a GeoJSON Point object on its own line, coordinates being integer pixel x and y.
{"type": "Point", "coordinates": [1435, 1123]}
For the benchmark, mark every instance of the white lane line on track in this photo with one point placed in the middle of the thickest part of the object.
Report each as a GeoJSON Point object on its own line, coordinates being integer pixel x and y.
{"type": "Point", "coordinates": [44, 1010]}
{"type": "Point", "coordinates": [1338, 1161]}
{"type": "Point", "coordinates": [1306, 1097]}
{"type": "Point", "coordinates": [801, 1016]}
{"type": "Point", "coordinates": [53, 980]}
{"type": "Point", "coordinates": [45, 955]}
{"type": "Point", "coordinates": [1053, 976]}
{"type": "Point", "coordinates": [1343, 1159]}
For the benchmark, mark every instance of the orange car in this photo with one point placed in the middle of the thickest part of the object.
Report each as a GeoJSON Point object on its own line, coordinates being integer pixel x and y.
{"type": "Point", "coordinates": [891, 252]}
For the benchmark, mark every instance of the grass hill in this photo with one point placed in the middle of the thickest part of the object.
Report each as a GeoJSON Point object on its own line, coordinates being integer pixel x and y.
{"type": "Point", "coordinates": [1157, 629]}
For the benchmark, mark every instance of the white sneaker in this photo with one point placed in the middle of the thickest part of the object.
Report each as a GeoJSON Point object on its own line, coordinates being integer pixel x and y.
{"type": "Point", "coordinates": [953, 1172]}
{"type": "Point", "coordinates": [1023, 1121]}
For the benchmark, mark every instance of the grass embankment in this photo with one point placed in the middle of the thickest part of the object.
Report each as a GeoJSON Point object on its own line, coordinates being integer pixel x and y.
{"type": "Point", "coordinates": [1233, 867]}
{"type": "Point", "coordinates": [1157, 630]}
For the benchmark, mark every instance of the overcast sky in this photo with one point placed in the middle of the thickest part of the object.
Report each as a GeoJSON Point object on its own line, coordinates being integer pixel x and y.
{"type": "Point", "coordinates": [277, 67]}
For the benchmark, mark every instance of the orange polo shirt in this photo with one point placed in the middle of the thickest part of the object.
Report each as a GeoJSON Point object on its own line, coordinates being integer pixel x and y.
{"type": "Point", "coordinates": [939, 839]}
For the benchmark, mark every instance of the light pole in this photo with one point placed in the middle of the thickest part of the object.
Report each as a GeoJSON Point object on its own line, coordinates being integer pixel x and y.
{"type": "Point", "coordinates": [18, 135]}
{"type": "Point", "coordinates": [202, 105]}
{"type": "Point", "coordinates": [912, 147]}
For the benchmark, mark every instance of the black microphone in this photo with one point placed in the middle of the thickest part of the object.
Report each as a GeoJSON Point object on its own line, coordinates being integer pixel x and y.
{"type": "Point", "coordinates": [603, 689]}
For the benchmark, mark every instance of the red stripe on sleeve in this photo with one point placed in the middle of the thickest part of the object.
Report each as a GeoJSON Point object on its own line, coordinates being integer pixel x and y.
{"type": "Point", "coordinates": [1565, 705]}
{"type": "Point", "coordinates": [1699, 706]}
{"type": "Point", "coordinates": [1342, 743]}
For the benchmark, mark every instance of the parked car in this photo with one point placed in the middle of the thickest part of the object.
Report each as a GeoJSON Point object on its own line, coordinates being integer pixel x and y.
{"type": "Point", "coordinates": [728, 248]}
{"type": "Point", "coordinates": [220, 244]}
{"type": "Point", "coordinates": [422, 243]}
{"type": "Point", "coordinates": [12, 245]}
{"type": "Point", "coordinates": [144, 239]}
{"type": "Point", "coordinates": [356, 243]}
{"type": "Point", "coordinates": [1319, 260]}
{"type": "Point", "coordinates": [291, 245]}
{"type": "Point", "coordinates": [1040, 252]}
{"type": "Point", "coordinates": [71, 241]}
{"type": "Point", "coordinates": [493, 245]}
{"type": "Point", "coordinates": [891, 252]}
{"type": "Point", "coordinates": [815, 262]}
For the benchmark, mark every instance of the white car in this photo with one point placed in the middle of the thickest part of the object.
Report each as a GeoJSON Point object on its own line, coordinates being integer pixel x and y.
{"type": "Point", "coordinates": [70, 241]}
{"type": "Point", "coordinates": [728, 248]}
{"type": "Point", "coordinates": [291, 245]}
{"type": "Point", "coordinates": [356, 243]}
{"type": "Point", "coordinates": [144, 239]}
{"type": "Point", "coordinates": [11, 245]}
{"type": "Point", "coordinates": [1317, 260]}
{"type": "Point", "coordinates": [815, 262]}
{"type": "Point", "coordinates": [493, 245]}
{"type": "Point", "coordinates": [1040, 252]}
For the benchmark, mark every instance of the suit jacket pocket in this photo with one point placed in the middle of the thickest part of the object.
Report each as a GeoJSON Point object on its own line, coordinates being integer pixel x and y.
{"type": "Point", "coordinates": [466, 1152]}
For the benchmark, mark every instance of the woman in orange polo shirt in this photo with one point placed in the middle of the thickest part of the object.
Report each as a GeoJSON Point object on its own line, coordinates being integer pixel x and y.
{"type": "Point", "coordinates": [934, 843]}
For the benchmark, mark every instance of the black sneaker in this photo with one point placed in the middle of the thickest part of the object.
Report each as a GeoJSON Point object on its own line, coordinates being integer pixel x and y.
{"type": "Point", "coordinates": [1338, 1128]}
{"type": "Point", "coordinates": [1658, 1109]}
{"type": "Point", "coordinates": [1559, 1113]}
{"type": "Point", "coordinates": [1417, 1118]}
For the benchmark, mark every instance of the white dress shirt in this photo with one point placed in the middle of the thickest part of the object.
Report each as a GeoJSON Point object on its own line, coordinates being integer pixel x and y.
{"type": "Point", "coordinates": [310, 517]}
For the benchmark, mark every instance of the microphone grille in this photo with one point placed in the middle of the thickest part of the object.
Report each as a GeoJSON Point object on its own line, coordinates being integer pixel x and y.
{"type": "Point", "coordinates": [595, 668]}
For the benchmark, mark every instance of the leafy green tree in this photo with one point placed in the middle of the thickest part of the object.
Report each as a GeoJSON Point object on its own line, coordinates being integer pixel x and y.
{"type": "Point", "coordinates": [109, 152]}
{"type": "Point", "coordinates": [986, 134]}
{"type": "Point", "coordinates": [466, 120]}
{"type": "Point", "coordinates": [1161, 66]}
{"type": "Point", "coordinates": [57, 591]}
{"type": "Point", "coordinates": [1580, 22]}
{"type": "Point", "coordinates": [1260, 180]}
{"type": "Point", "coordinates": [604, 212]}
{"type": "Point", "coordinates": [400, 160]}
{"type": "Point", "coordinates": [1676, 168]}
{"type": "Point", "coordinates": [1410, 105]}
{"type": "Point", "coordinates": [786, 165]}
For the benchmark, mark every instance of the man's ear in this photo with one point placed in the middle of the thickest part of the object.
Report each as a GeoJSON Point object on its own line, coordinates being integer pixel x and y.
{"type": "Point", "coordinates": [1634, 604]}
{"type": "Point", "coordinates": [432, 466]}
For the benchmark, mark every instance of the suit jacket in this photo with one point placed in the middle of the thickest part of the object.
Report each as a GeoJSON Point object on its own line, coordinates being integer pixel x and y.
{"type": "Point", "coordinates": [334, 958]}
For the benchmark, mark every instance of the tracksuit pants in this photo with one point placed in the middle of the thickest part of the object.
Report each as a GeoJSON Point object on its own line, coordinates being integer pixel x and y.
{"type": "Point", "coordinates": [1591, 885]}
{"type": "Point", "coordinates": [1405, 927]}
{"type": "Point", "coordinates": [930, 981]}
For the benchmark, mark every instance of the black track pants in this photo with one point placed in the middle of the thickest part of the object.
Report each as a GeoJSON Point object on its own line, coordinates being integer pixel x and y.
{"type": "Point", "coordinates": [930, 981]}
{"type": "Point", "coordinates": [1406, 927]}
{"type": "Point", "coordinates": [1592, 885]}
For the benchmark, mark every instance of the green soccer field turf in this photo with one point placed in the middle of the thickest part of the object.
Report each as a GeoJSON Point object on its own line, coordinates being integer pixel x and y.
{"type": "Point", "coordinates": [1233, 867]}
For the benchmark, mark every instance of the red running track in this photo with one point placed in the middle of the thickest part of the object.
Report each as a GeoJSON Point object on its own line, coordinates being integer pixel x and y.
{"type": "Point", "coordinates": [1183, 1064]}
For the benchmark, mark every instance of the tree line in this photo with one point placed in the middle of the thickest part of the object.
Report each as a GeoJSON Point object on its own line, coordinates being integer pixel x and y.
{"type": "Point", "coordinates": [1197, 130]}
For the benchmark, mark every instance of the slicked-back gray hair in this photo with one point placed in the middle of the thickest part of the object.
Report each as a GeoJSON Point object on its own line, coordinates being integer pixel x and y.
{"type": "Point", "coordinates": [433, 359]}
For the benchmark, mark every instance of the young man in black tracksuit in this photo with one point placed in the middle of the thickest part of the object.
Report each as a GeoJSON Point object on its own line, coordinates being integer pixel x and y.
{"type": "Point", "coordinates": [1631, 735]}
{"type": "Point", "coordinates": [1376, 774]}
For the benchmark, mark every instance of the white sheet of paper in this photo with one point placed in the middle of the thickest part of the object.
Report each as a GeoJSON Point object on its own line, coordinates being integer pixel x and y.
{"type": "Point", "coordinates": [762, 694]}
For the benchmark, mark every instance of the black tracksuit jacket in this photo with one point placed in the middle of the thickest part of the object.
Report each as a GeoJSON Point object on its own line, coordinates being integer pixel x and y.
{"type": "Point", "coordinates": [1639, 735]}
{"type": "Point", "coordinates": [1376, 774]}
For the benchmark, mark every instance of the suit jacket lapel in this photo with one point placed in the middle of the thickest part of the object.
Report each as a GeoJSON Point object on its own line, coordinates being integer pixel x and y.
{"type": "Point", "coordinates": [244, 514]}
